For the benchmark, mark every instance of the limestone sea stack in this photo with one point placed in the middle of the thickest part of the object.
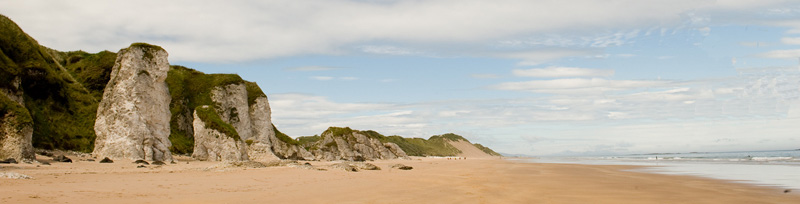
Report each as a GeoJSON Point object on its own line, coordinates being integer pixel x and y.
{"type": "Point", "coordinates": [133, 116]}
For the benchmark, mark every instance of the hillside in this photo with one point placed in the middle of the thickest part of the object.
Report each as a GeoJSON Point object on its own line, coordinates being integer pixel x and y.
{"type": "Point", "coordinates": [61, 106]}
{"type": "Point", "coordinates": [438, 145]}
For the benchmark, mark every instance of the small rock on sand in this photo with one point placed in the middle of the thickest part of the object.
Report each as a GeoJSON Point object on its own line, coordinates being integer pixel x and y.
{"type": "Point", "coordinates": [141, 162]}
{"type": "Point", "coordinates": [106, 160]}
{"type": "Point", "coordinates": [402, 167]}
{"type": "Point", "coordinates": [158, 163]}
{"type": "Point", "coordinates": [344, 166]}
{"type": "Point", "coordinates": [62, 158]}
{"type": "Point", "coordinates": [365, 166]}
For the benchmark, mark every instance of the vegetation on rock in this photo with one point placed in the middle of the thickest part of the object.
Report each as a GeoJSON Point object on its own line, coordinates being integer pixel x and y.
{"type": "Point", "coordinates": [213, 121]}
{"type": "Point", "coordinates": [62, 108]}
{"type": "Point", "coordinates": [9, 106]}
{"type": "Point", "coordinates": [190, 89]}
{"type": "Point", "coordinates": [284, 138]}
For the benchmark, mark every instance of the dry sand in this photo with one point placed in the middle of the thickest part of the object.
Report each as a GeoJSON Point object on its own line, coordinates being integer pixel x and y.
{"type": "Point", "coordinates": [433, 180]}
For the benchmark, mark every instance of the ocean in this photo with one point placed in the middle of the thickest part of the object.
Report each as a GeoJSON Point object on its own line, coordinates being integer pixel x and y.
{"type": "Point", "coordinates": [779, 168]}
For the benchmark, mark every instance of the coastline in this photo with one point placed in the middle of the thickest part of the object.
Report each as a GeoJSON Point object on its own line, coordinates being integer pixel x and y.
{"type": "Point", "coordinates": [433, 180]}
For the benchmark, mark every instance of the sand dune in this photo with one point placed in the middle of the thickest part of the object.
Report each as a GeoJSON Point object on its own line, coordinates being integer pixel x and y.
{"type": "Point", "coordinates": [468, 150]}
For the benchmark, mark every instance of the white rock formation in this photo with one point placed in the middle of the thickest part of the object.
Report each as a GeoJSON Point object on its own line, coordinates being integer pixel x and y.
{"type": "Point", "coordinates": [232, 107]}
{"type": "Point", "coordinates": [212, 145]}
{"type": "Point", "coordinates": [253, 123]}
{"type": "Point", "coordinates": [15, 133]}
{"type": "Point", "coordinates": [355, 146]}
{"type": "Point", "coordinates": [259, 144]}
{"type": "Point", "coordinates": [133, 116]}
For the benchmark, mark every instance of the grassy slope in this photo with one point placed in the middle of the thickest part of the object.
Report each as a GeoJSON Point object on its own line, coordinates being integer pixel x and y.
{"type": "Point", "coordinates": [62, 110]}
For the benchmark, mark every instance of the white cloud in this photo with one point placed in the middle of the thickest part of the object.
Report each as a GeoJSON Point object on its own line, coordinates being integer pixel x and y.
{"type": "Point", "coordinates": [791, 41]}
{"type": "Point", "coordinates": [577, 85]}
{"type": "Point", "coordinates": [553, 72]}
{"type": "Point", "coordinates": [389, 50]}
{"type": "Point", "coordinates": [248, 30]}
{"type": "Point", "coordinates": [536, 57]}
{"type": "Point", "coordinates": [781, 54]}
{"type": "Point", "coordinates": [579, 41]}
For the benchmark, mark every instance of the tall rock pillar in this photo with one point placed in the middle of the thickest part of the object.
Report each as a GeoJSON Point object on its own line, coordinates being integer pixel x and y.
{"type": "Point", "coordinates": [133, 116]}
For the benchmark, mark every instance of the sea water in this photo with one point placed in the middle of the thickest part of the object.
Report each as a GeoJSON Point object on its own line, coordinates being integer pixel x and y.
{"type": "Point", "coordinates": [767, 168]}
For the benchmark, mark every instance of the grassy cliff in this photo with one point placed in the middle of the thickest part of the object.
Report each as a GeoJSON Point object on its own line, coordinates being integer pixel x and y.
{"type": "Point", "coordinates": [61, 107]}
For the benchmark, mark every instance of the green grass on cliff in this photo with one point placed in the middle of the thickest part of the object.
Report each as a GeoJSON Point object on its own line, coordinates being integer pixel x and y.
{"type": "Point", "coordinates": [283, 137]}
{"type": "Point", "coordinates": [253, 92]}
{"type": "Point", "coordinates": [213, 121]}
{"type": "Point", "coordinates": [23, 117]}
{"type": "Point", "coordinates": [61, 108]}
{"type": "Point", "coordinates": [305, 141]}
{"type": "Point", "coordinates": [190, 89]}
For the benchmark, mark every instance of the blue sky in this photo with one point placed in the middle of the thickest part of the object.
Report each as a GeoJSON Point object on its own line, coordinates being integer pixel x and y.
{"type": "Point", "coordinates": [530, 77]}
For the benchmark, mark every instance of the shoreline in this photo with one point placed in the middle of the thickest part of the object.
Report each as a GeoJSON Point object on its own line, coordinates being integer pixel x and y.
{"type": "Point", "coordinates": [778, 175]}
{"type": "Point", "coordinates": [433, 180]}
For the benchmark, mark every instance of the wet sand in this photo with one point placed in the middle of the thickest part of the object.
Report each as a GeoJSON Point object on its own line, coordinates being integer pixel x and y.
{"type": "Point", "coordinates": [433, 180]}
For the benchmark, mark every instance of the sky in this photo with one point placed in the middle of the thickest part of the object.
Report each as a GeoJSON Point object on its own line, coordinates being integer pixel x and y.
{"type": "Point", "coordinates": [535, 77]}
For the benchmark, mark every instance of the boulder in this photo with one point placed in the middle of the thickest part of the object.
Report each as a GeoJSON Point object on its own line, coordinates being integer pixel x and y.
{"type": "Point", "coordinates": [401, 167]}
{"type": "Point", "coordinates": [344, 166]}
{"type": "Point", "coordinates": [133, 115]}
{"type": "Point", "coordinates": [211, 144]}
{"type": "Point", "coordinates": [365, 166]}
{"type": "Point", "coordinates": [106, 160]}
{"type": "Point", "coordinates": [141, 162]}
{"type": "Point", "coordinates": [62, 158]}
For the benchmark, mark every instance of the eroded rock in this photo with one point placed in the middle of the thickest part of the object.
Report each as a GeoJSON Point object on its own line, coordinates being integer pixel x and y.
{"type": "Point", "coordinates": [212, 145]}
{"type": "Point", "coordinates": [401, 167]}
{"type": "Point", "coordinates": [16, 130]}
{"type": "Point", "coordinates": [62, 158]}
{"type": "Point", "coordinates": [351, 145]}
{"type": "Point", "coordinates": [133, 116]}
{"type": "Point", "coordinates": [106, 160]}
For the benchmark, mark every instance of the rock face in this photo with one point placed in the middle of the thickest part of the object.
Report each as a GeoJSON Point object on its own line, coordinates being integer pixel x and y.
{"type": "Point", "coordinates": [260, 145]}
{"type": "Point", "coordinates": [253, 122]}
{"type": "Point", "coordinates": [346, 144]}
{"type": "Point", "coordinates": [16, 130]}
{"type": "Point", "coordinates": [213, 145]}
{"type": "Point", "coordinates": [133, 116]}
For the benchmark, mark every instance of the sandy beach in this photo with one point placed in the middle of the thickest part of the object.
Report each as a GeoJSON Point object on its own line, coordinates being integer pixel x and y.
{"type": "Point", "coordinates": [433, 180]}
